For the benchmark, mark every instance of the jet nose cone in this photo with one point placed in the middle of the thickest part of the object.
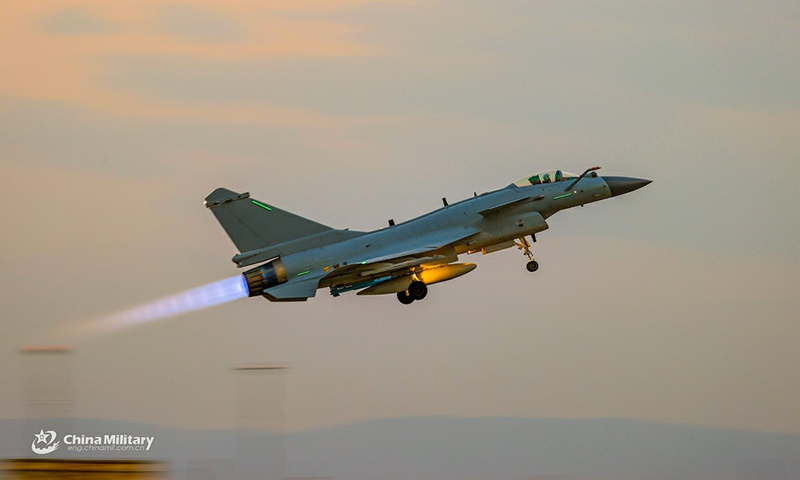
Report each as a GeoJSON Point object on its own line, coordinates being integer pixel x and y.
{"type": "Point", "coordinates": [620, 185]}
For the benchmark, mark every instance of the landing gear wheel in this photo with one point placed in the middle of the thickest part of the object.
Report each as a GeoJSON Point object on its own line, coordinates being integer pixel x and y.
{"type": "Point", "coordinates": [525, 246]}
{"type": "Point", "coordinates": [404, 298]}
{"type": "Point", "coordinates": [417, 290]}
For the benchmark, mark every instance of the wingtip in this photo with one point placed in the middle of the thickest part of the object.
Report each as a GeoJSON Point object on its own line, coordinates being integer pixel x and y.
{"type": "Point", "coordinates": [223, 195]}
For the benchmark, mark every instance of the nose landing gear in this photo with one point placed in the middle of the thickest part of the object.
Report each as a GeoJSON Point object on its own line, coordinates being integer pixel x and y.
{"type": "Point", "coordinates": [525, 246]}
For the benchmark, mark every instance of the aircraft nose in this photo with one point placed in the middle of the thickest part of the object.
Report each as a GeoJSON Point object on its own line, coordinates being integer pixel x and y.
{"type": "Point", "coordinates": [620, 185]}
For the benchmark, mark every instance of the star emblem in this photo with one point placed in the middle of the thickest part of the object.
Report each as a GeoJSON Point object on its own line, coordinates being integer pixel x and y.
{"type": "Point", "coordinates": [41, 436]}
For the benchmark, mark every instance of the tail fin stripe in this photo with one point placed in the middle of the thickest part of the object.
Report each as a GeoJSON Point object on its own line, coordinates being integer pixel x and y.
{"type": "Point", "coordinates": [259, 204]}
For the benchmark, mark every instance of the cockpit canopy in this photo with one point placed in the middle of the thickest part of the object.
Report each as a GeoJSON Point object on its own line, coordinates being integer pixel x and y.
{"type": "Point", "coordinates": [547, 176]}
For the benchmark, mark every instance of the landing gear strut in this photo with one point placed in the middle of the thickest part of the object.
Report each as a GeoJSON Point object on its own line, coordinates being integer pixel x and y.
{"type": "Point", "coordinates": [416, 291]}
{"type": "Point", "coordinates": [525, 246]}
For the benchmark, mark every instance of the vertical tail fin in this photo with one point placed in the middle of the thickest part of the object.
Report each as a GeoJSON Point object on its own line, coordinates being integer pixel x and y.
{"type": "Point", "coordinates": [252, 224]}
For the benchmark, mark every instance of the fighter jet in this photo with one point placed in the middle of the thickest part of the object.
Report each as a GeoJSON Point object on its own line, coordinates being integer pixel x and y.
{"type": "Point", "coordinates": [298, 256]}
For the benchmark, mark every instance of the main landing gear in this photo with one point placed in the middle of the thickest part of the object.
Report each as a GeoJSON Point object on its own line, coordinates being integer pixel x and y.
{"type": "Point", "coordinates": [416, 291]}
{"type": "Point", "coordinates": [525, 246]}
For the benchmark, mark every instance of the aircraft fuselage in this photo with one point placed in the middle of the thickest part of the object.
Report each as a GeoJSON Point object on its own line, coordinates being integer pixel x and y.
{"type": "Point", "coordinates": [303, 255]}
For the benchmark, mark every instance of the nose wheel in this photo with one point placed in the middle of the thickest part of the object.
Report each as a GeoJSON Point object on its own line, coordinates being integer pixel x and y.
{"type": "Point", "coordinates": [525, 246]}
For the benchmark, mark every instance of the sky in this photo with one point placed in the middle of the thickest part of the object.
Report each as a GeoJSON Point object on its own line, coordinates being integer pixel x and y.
{"type": "Point", "coordinates": [677, 303]}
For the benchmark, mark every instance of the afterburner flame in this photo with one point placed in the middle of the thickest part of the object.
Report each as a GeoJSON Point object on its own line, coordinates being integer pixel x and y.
{"type": "Point", "coordinates": [209, 295]}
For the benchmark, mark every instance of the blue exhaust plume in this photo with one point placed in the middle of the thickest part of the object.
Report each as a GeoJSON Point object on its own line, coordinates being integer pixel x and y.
{"type": "Point", "coordinates": [209, 295]}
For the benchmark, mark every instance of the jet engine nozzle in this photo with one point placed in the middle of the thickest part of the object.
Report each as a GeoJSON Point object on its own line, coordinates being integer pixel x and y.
{"type": "Point", "coordinates": [265, 276]}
